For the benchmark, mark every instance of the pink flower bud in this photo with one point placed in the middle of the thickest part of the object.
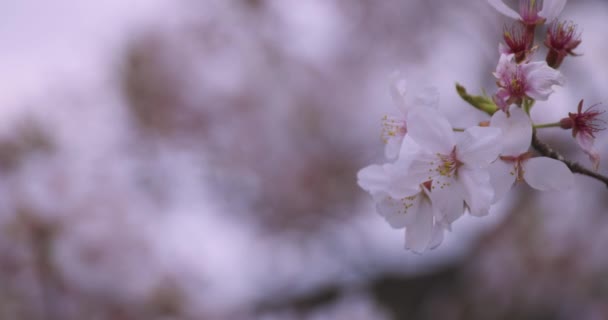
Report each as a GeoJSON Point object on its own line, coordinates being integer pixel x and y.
{"type": "Point", "coordinates": [518, 42]}
{"type": "Point", "coordinates": [562, 38]}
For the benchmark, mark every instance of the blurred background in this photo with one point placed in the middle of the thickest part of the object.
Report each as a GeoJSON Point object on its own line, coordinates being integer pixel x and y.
{"type": "Point", "coordinates": [197, 159]}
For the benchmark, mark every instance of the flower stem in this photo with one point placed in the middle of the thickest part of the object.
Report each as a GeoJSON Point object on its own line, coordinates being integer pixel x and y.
{"type": "Point", "coordinates": [547, 125]}
{"type": "Point", "coordinates": [528, 104]}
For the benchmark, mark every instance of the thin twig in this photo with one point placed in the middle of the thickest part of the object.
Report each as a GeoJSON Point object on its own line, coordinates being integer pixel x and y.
{"type": "Point", "coordinates": [545, 150]}
{"type": "Point", "coordinates": [547, 125]}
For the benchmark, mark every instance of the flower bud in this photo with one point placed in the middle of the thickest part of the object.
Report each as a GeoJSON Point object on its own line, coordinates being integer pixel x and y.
{"type": "Point", "coordinates": [562, 38]}
{"type": "Point", "coordinates": [518, 42]}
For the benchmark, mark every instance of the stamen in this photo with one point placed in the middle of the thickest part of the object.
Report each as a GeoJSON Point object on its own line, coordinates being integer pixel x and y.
{"type": "Point", "coordinates": [448, 167]}
{"type": "Point", "coordinates": [518, 162]}
{"type": "Point", "coordinates": [404, 204]}
{"type": "Point", "coordinates": [392, 127]}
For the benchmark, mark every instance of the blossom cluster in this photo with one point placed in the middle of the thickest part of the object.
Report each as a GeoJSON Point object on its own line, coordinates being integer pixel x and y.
{"type": "Point", "coordinates": [435, 173]}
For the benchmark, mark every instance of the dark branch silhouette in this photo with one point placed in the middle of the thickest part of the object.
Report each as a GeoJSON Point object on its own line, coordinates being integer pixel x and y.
{"type": "Point", "coordinates": [547, 151]}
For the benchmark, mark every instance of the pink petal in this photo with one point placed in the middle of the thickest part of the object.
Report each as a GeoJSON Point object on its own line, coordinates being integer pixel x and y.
{"type": "Point", "coordinates": [505, 66]}
{"type": "Point", "coordinates": [500, 98]}
{"type": "Point", "coordinates": [502, 49]}
{"type": "Point", "coordinates": [540, 78]}
{"type": "Point", "coordinates": [586, 142]}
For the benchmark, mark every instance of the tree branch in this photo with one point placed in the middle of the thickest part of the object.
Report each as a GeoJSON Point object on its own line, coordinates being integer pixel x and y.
{"type": "Point", "coordinates": [546, 151]}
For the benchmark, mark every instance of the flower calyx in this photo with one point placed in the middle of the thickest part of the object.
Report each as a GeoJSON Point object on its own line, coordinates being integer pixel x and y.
{"type": "Point", "coordinates": [519, 42]}
{"type": "Point", "coordinates": [562, 38]}
{"type": "Point", "coordinates": [518, 162]}
{"type": "Point", "coordinates": [584, 122]}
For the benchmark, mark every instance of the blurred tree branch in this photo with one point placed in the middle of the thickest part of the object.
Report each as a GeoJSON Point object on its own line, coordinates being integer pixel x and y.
{"type": "Point", "coordinates": [547, 151]}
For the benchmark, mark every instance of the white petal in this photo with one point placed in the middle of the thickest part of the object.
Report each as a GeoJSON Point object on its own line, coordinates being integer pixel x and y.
{"type": "Point", "coordinates": [401, 182]}
{"type": "Point", "coordinates": [502, 177]}
{"type": "Point", "coordinates": [437, 236]}
{"type": "Point", "coordinates": [547, 174]}
{"type": "Point", "coordinates": [391, 179]}
{"type": "Point", "coordinates": [448, 203]}
{"type": "Point", "coordinates": [479, 146]}
{"type": "Point", "coordinates": [373, 178]}
{"type": "Point", "coordinates": [422, 167]}
{"type": "Point", "coordinates": [408, 149]}
{"type": "Point", "coordinates": [393, 145]}
{"type": "Point", "coordinates": [419, 234]}
{"type": "Point", "coordinates": [398, 89]}
{"type": "Point", "coordinates": [516, 131]}
{"type": "Point", "coordinates": [430, 130]}
{"type": "Point", "coordinates": [405, 96]}
{"type": "Point", "coordinates": [551, 9]}
{"type": "Point", "coordinates": [427, 97]}
{"type": "Point", "coordinates": [478, 192]}
{"type": "Point", "coordinates": [504, 9]}
{"type": "Point", "coordinates": [540, 78]}
{"type": "Point", "coordinates": [586, 142]}
{"type": "Point", "coordinates": [397, 212]}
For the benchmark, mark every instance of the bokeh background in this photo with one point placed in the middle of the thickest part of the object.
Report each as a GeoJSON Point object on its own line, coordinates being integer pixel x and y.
{"type": "Point", "coordinates": [197, 159]}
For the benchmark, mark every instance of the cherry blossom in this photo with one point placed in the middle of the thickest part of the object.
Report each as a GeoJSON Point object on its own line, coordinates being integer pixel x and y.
{"type": "Point", "coordinates": [394, 127]}
{"type": "Point", "coordinates": [436, 173]}
{"type": "Point", "coordinates": [584, 126]}
{"type": "Point", "coordinates": [517, 164]}
{"type": "Point", "coordinates": [455, 165]}
{"type": "Point", "coordinates": [533, 80]}
{"type": "Point", "coordinates": [404, 205]}
{"type": "Point", "coordinates": [531, 12]}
